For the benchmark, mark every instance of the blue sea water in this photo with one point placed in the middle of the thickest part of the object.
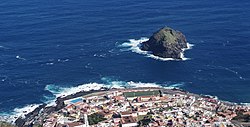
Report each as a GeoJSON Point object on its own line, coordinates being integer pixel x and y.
{"type": "Point", "coordinates": [47, 46]}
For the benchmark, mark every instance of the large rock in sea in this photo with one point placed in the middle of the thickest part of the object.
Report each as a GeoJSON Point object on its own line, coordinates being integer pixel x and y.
{"type": "Point", "coordinates": [166, 43]}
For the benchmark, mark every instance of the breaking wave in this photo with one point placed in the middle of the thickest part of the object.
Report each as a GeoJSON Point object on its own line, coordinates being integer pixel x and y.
{"type": "Point", "coordinates": [246, 104]}
{"type": "Point", "coordinates": [134, 46]}
{"type": "Point", "coordinates": [62, 92]}
{"type": "Point", "coordinates": [3, 47]}
{"type": "Point", "coordinates": [17, 113]}
{"type": "Point", "coordinates": [107, 83]}
{"type": "Point", "coordinates": [176, 85]}
{"type": "Point", "coordinates": [20, 58]}
{"type": "Point", "coordinates": [58, 91]}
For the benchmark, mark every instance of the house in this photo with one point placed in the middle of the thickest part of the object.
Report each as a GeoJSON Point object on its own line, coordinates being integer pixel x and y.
{"type": "Point", "coordinates": [49, 124]}
{"type": "Point", "coordinates": [117, 121]}
{"type": "Point", "coordinates": [128, 113]}
{"type": "Point", "coordinates": [119, 98]}
{"type": "Point", "coordinates": [128, 121]}
{"type": "Point", "coordinates": [142, 110]}
{"type": "Point", "coordinates": [73, 124]}
{"type": "Point", "coordinates": [76, 124]}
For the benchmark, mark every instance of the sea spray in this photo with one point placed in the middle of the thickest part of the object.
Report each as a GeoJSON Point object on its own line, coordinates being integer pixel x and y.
{"type": "Point", "coordinates": [134, 46]}
{"type": "Point", "coordinates": [58, 91]}
{"type": "Point", "coordinates": [11, 117]}
{"type": "Point", "coordinates": [107, 83]}
{"type": "Point", "coordinates": [65, 91]}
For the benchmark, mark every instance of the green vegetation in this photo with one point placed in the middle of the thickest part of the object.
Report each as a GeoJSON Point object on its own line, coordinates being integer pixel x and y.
{"type": "Point", "coordinates": [166, 109]}
{"type": "Point", "coordinates": [95, 118]}
{"type": "Point", "coordinates": [5, 124]}
{"type": "Point", "coordinates": [242, 117]}
{"type": "Point", "coordinates": [141, 93]}
{"type": "Point", "coordinates": [140, 117]}
{"type": "Point", "coordinates": [144, 121]}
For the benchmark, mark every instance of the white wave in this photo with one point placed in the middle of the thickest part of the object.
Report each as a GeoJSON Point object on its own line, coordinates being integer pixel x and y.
{"type": "Point", "coordinates": [65, 91]}
{"type": "Point", "coordinates": [62, 60]}
{"type": "Point", "coordinates": [3, 47]}
{"type": "Point", "coordinates": [134, 46]}
{"type": "Point", "coordinates": [245, 104]}
{"type": "Point", "coordinates": [3, 78]}
{"type": "Point", "coordinates": [109, 83]}
{"type": "Point", "coordinates": [50, 63]}
{"type": "Point", "coordinates": [49, 100]}
{"type": "Point", "coordinates": [140, 84]}
{"type": "Point", "coordinates": [18, 57]}
{"type": "Point", "coordinates": [88, 66]}
{"type": "Point", "coordinates": [176, 85]}
{"type": "Point", "coordinates": [211, 96]}
{"type": "Point", "coordinates": [189, 46]}
{"type": "Point", "coordinates": [100, 55]}
{"type": "Point", "coordinates": [17, 113]}
{"type": "Point", "coordinates": [130, 84]}
{"type": "Point", "coordinates": [62, 92]}
{"type": "Point", "coordinates": [116, 84]}
{"type": "Point", "coordinates": [25, 110]}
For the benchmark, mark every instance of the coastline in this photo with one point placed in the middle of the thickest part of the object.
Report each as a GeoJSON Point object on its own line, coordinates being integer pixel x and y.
{"type": "Point", "coordinates": [44, 109]}
{"type": "Point", "coordinates": [48, 109]}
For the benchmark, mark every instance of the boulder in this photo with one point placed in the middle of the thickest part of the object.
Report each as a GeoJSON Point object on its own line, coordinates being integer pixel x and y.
{"type": "Point", "coordinates": [166, 43]}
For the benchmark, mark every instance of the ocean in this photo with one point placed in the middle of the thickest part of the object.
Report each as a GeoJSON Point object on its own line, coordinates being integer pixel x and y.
{"type": "Point", "coordinates": [54, 48]}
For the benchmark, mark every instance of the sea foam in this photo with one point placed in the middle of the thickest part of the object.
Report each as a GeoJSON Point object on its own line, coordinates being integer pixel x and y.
{"type": "Point", "coordinates": [17, 113]}
{"type": "Point", "coordinates": [3, 47]}
{"type": "Point", "coordinates": [62, 92]}
{"type": "Point", "coordinates": [21, 58]}
{"type": "Point", "coordinates": [107, 83]}
{"type": "Point", "coordinates": [176, 85]}
{"type": "Point", "coordinates": [65, 91]}
{"type": "Point", "coordinates": [58, 91]}
{"type": "Point", "coordinates": [134, 46]}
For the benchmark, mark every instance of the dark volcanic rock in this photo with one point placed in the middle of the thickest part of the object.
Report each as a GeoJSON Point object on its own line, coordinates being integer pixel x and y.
{"type": "Point", "coordinates": [20, 122]}
{"type": "Point", "coordinates": [166, 43]}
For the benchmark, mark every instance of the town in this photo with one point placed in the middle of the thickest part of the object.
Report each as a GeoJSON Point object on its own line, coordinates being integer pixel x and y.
{"type": "Point", "coordinates": [149, 107]}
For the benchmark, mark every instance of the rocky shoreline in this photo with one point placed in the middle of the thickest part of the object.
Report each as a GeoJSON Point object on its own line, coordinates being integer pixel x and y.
{"type": "Point", "coordinates": [44, 110]}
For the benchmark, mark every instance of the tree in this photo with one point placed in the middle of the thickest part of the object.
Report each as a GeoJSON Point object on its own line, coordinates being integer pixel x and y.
{"type": "Point", "coordinates": [95, 118]}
